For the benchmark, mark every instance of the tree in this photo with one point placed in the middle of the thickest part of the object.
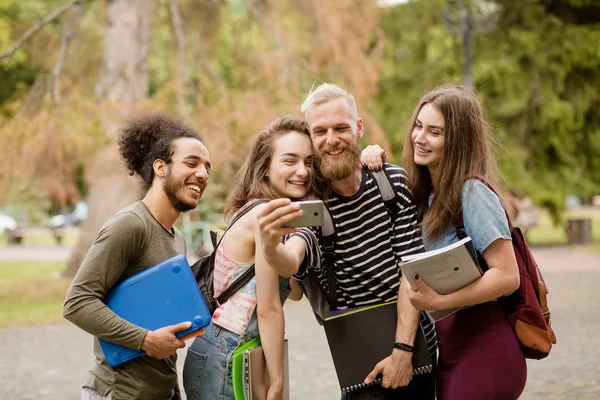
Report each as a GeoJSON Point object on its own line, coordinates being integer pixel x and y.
{"type": "Point", "coordinates": [537, 77]}
{"type": "Point", "coordinates": [228, 66]}
{"type": "Point", "coordinates": [123, 82]}
{"type": "Point", "coordinates": [471, 19]}
{"type": "Point", "coordinates": [30, 120]}
{"type": "Point", "coordinates": [579, 12]}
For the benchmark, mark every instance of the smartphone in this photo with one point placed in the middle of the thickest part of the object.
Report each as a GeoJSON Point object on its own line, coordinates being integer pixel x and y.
{"type": "Point", "coordinates": [313, 214]}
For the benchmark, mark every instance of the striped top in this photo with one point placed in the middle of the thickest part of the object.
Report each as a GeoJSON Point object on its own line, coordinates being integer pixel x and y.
{"type": "Point", "coordinates": [369, 245]}
{"type": "Point", "coordinates": [234, 314]}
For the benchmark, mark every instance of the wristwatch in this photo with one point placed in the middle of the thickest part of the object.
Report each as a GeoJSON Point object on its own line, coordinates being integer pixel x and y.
{"type": "Point", "coordinates": [403, 346]}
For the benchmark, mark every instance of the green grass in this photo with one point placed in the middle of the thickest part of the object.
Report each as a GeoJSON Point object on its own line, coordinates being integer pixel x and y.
{"type": "Point", "coordinates": [14, 272]}
{"type": "Point", "coordinates": [29, 292]}
{"type": "Point", "coordinates": [45, 238]}
{"type": "Point", "coordinates": [547, 234]}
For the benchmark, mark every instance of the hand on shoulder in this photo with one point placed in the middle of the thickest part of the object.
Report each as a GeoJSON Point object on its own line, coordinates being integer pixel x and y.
{"type": "Point", "coordinates": [373, 157]}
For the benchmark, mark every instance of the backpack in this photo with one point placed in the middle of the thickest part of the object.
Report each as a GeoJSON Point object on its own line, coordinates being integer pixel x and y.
{"type": "Point", "coordinates": [527, 307]}
{"type": "Point", "coordinates": [204, 268]}
{"type": "Point", "coordinates": [324, 301]}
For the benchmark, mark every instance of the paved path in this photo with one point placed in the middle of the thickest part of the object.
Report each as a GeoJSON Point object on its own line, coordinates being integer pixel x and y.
{"type": "Point", "coordinates": [34, 253]}
{"type": "Point", "coordinates": [50, 361]}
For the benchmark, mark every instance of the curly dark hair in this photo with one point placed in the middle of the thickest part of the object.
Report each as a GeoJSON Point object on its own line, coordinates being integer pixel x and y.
{"type": "Point", "coordinates": [147, 138]}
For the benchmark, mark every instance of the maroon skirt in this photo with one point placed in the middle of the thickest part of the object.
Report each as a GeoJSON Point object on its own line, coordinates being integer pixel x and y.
{"type": "Point", "coordinates": [480, 357]}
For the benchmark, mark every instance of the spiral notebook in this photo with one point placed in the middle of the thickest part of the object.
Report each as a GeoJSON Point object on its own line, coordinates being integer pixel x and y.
{"type": "Point", "coordinates": [238, 368]}
{"type": "Point", "coordinates": [249, 371]}
{"type": "Point", "coordinates": [361, 338]}
{"type": "Point", "coordinates": [256, 375]}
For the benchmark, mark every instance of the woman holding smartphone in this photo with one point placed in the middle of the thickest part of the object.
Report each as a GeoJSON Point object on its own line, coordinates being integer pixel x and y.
{"type": "Point", "coordinates": [278, 166]}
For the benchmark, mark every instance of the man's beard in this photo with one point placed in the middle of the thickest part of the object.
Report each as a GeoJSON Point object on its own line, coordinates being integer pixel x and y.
{"type": "Point", "coordinates": [171, 186]}
{"type": "Point", "coordinates": [340, 169]}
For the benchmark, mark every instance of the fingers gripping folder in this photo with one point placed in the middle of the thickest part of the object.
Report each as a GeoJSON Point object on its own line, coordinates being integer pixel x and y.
{"type": "Point", "coordinates": [162, 295]}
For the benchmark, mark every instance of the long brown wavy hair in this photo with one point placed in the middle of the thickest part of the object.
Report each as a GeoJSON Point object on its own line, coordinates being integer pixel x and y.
{"type": "Point", "coordinates": [467, 151]}
{"type": "Point", "coordinates": [250, 181]}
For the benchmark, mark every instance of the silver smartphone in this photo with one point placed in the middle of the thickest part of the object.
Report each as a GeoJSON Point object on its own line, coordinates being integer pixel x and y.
{"type": "Point", "coordinates": [312, 216]}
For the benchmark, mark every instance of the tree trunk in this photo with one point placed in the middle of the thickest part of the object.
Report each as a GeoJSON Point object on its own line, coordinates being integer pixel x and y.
{"type": "Point", "coordinates": [466, 23]}
{"type": "Point", "coordinates": [124, 73]}
{"type": "Point", "coordinates": [123, 81]}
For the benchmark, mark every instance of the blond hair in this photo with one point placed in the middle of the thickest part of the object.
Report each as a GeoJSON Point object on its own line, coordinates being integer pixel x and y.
{"type": "Point", "coordinates": [327, 92]}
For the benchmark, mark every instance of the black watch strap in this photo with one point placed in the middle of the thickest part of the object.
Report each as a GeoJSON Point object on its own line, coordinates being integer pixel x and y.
{"type": "Point", "coordinates": [403, 346]}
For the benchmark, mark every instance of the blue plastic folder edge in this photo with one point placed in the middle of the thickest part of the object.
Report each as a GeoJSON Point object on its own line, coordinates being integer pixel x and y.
{"type": "Point", "coordinates": [164, 294]}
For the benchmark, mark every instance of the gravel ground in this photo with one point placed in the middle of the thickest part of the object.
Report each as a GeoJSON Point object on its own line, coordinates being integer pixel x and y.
{"type": "Point", "coordinates": [51, 361]}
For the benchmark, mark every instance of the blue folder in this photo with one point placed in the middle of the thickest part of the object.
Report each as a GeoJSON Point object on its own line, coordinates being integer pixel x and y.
{"type": "Point", "coordinates": [162, 295]}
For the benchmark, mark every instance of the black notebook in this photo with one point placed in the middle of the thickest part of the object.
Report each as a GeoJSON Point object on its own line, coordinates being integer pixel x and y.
{"type": "Point", "coordinates": [359, 339]}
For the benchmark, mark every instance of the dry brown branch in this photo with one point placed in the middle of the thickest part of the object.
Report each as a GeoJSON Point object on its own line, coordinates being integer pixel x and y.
{"type": "Point", "coordinates": [205, 61]}
{"type": "Point", "coordinates": [36, 94]}
{"type": "Point", "coordinates": [34, 29]}
{"type": "Point", "coordinates": [260, 17]}
{"type": "Point", "coordinates": [64, 45]}
{"type": "Point", "coordinates": [258, 14]}
{"type": "Point", "coordinates": [69, 32]}
{"type": "Point", "coordinates": [184, 76]}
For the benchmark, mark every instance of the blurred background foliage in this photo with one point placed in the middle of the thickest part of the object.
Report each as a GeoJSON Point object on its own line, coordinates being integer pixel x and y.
{"type": "Point", "coordinates": [537, 77]}
{"type": "Point", "coordinates": [237, 64]}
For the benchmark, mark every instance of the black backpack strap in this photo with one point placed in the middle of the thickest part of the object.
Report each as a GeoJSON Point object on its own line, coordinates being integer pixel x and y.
{"type": "Point", "coordinates": [213, 239]}
{"type": "Point", "coordinates": [249, 274]}
{"type": "Point", "coordinates": [328, 236]}
{"type": "Point", "coordinates": [388, 192]}
{"type": "Point", "coordinates": [459, 224]}
{"type": "Point", "coordinates": [386, 188]}
{"type": "Point", "coordinates": [236, 285]}
{"type": "Point", "coordinates": [329, 233]}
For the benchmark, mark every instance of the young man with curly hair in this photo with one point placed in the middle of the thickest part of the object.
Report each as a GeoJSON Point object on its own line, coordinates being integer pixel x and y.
{"type": "Point", "coordinates": [174, 166]}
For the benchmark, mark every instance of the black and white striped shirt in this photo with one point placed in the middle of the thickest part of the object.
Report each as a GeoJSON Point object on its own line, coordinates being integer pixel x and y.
{"type": "Point", "coordinates": [368, 245]}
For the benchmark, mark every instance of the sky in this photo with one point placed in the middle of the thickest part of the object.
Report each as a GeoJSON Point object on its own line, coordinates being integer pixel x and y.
{"type": "Point", "coordinates": [386, 3]}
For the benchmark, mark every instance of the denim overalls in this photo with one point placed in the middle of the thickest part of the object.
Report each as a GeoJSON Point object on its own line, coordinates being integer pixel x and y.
{"type": "Point", "coordinates": [207, 370]}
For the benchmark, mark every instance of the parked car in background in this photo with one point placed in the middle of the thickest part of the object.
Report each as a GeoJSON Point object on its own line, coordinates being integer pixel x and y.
{"type": "Point", "coordinates": [9, 226]}
{"type": "Point", "coordinates": [7, 223]}
{"type": "Point", "coordinates": [63, 220]}
{"type": "Point", "coordinates": [67, 219]}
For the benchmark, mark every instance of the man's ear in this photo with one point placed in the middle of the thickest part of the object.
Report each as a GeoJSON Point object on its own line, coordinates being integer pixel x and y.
{"type": "Point", "coordinates": [360, 127]}
{"type": "Point", "coordinates": [160, 168]}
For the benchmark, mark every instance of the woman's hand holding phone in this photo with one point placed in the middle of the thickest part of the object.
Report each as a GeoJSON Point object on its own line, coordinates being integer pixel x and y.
{"type": "Point", "coordinates": [272, 216]}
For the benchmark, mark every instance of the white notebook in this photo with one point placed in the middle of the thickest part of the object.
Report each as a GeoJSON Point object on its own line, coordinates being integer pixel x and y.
{"type": "Point", "coordinates": [446, 270]}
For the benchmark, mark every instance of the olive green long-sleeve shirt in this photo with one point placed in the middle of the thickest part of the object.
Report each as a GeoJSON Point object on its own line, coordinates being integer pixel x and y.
{"type": "Point", "coordinates": [129, 242]}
